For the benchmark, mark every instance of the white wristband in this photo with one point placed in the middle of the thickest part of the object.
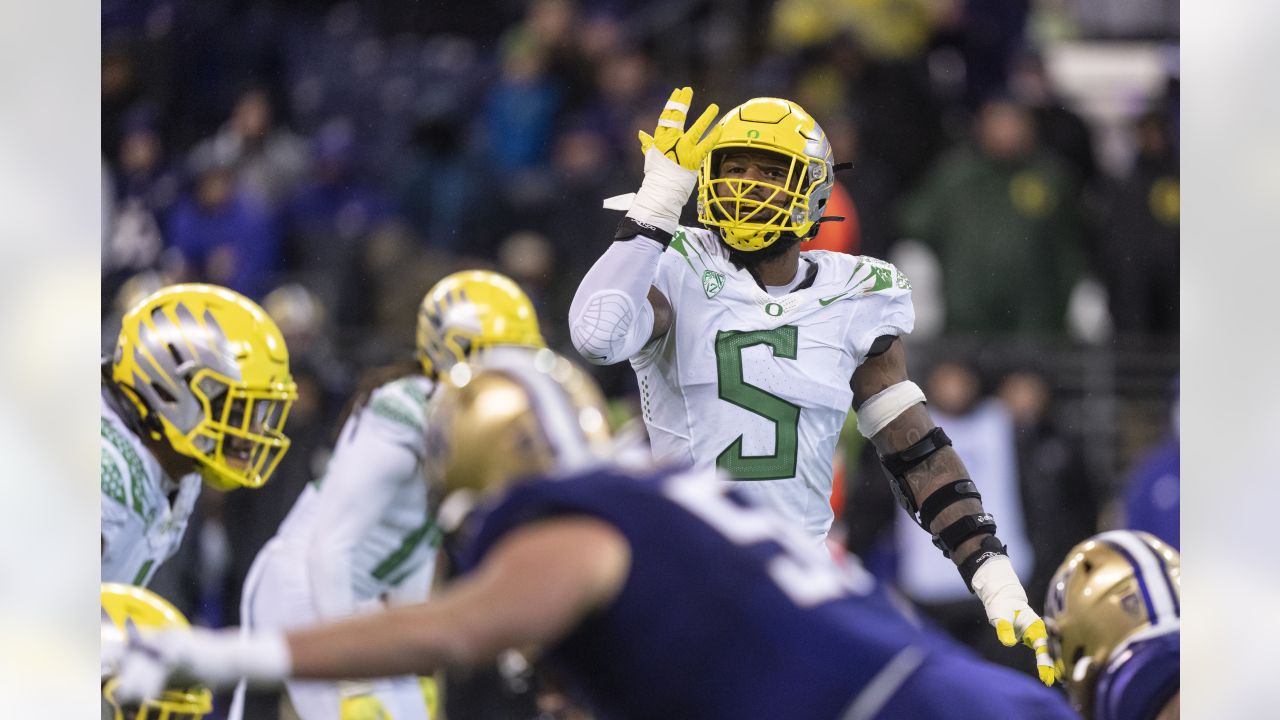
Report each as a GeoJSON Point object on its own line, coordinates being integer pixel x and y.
{"type": "Point", "coordinates": [223, 657]}
{"type": "Point", "coordinates": [663, 193]}
{"type": "Point", "coordinates": [885, 406]}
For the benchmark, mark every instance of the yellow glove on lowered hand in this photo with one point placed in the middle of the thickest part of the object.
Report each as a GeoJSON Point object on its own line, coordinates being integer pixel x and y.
{"type": "Point", "coordinates": [1005, 601]}
{"type": "Point", "coordinates": [686, 149]}
{"type": "Point", "coordinates": [362, 707]}
{"type": "Point", "coordinates": [430, 695]}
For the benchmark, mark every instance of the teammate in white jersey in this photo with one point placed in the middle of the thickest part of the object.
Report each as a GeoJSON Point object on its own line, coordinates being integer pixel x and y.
{"type": "Point", "coordinates": [749, 353]}
{"type": "Point", "coordinates": [198, 389]}
{"type": "Point", "coordinates": [366, 531]}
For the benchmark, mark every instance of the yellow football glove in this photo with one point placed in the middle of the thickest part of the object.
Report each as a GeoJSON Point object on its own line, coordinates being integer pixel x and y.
{"type": "Point", "coordinates": [362, 707]}
{"type": "Point", "coordinates": [430, 695]}
{"type": "Point", "coordinates": [686, 149]}
{"type": "Point", "coordinates": [1005, 601]}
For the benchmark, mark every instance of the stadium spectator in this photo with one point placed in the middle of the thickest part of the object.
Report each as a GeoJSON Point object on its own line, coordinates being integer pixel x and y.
{"type": "Point", "coordinates": [223, 235]}
{"type": "Point", "coordinates": [1059, 128]}
{"type": "Point", "coordinates": [269, 160]}
{"type": "Point", "coordinates": [1138, 252]}
{"type": "Point", "coordinates": [521, 109]}
{"type": "Point", "coordinates": [1152, 497]}
{"type": "Point", "coordinates": [325, 223]}
{"type": "Point", "coordinates": [441, 187]}
{"type": "Point", "coordinates": [1000, 214]}
{"type": "Point", "coordinates": [1059, 499]}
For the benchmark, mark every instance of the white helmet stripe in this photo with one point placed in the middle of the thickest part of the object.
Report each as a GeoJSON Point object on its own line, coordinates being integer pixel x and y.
{"type": "Point", "coordinates": [555, 413]}
{"type": "Point", "coordinates": [1149, 570]}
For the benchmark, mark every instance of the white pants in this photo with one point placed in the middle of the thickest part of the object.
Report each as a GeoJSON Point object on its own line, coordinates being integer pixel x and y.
{"type": "Point", "coordinates": [277, 594]}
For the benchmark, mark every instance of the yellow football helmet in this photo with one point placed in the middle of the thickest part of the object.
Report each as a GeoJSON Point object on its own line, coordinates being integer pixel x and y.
{"type": "Point", "coordinates": [517, 412]}
{"type": "Point", "coordinates": [751, 223]}
{"type": "Point", "coordinates": [1113, 589]}
{"type": "Point", "coordinates": [125, 605]}
{"type": "Point", "coordinates": [208, 372]}
{"type": "Point", "coordinates": [469, 311]}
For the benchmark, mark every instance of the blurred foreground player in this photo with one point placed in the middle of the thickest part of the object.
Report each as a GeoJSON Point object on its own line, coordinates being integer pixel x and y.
{"type": "Point", "coordinates": [1113, 611]}
{"type": "Point", "coordinates": [125, 606]}
{"type": "Point", "coordinates": [660, 595]}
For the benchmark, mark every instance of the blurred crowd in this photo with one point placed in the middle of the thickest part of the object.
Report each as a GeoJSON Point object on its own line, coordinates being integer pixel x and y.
{"type": "Point", "coordinates": [333, 159]}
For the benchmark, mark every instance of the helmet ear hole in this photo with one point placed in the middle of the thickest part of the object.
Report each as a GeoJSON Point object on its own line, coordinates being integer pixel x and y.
{"type": "Point", "coordinates": [162, 393]}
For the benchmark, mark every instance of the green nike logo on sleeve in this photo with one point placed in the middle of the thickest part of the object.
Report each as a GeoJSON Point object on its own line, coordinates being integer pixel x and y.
{"type": "Point", "coordinates": [827, 301]}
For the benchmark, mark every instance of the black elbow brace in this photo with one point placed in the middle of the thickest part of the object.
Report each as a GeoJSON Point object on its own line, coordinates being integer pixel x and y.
{"type": "Point", "coordinates": [900, 463]}
{"type": "Point", "coordinates": [953, 535]}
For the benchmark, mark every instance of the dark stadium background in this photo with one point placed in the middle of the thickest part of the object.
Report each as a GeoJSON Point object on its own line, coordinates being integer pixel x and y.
{"type": "Point", "coordinates": [333, 159]}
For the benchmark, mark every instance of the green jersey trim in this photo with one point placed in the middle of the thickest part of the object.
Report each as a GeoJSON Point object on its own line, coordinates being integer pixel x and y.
{"type": "Point", "coordinates": [113, 482]}
{"type": "Point", "coordinates": [427, 531]}
{"type": "Point", "coordinates": [395, 412]}
{"type": "Point", "coordinates": [137, 476]}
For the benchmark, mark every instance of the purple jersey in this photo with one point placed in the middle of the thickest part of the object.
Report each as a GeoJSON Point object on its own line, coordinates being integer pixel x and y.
{"type": "Point", "coordinates": [730, 612]}
{"type": "Point", "coordinates": [1140, 680]}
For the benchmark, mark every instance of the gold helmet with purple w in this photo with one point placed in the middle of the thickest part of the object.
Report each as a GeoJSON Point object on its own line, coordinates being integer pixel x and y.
{"type": "Point", "coordinates": [511, 413]}
{"type": "Point", "coordinates": [1113, 590]}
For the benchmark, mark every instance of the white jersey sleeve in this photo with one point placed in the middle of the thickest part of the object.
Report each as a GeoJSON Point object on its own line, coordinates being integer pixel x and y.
{"type": "Point", "coordinates": [611, 318]}
{"type": "Point", "coordinates": [884, 305]}
{"type": "Point", "coordinates": [375, 465]}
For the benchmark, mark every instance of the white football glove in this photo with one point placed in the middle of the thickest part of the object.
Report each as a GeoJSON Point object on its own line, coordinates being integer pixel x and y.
{"type": "Point", "coordinates": [1005, 601]}
{"type": "Point", "coordinates": [113, 644]}
{"type": "Point", "coordinates": [154, 661]}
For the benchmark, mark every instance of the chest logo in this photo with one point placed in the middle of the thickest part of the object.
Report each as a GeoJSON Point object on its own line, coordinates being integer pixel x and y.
{"type": "Point", "coordinates": [712, 282]}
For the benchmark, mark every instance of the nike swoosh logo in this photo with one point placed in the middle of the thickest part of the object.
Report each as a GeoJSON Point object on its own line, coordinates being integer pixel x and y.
{"type": "Point", "coordinates": [827, 301]}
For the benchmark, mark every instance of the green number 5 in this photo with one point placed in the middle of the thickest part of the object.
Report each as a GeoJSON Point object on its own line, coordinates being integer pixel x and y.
{"type": "Point", "coordinates": [784, 415]}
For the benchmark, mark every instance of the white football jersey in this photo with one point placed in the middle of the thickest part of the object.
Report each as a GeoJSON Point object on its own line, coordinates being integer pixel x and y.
{"type": "Point", "coordinates": [371, 502]}
{"type": "Point", "coordinates": [141, 528]}
{"type": "Point", "coordinates": [759, 385]}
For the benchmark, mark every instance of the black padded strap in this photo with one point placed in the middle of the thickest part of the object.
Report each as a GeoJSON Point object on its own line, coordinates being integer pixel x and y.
{"type": "Point", "coordinates": [900, 463]}
{"type": "Point", "coordinates": [989, 547]}
{"type": "Point", "coordinates": [963, 529]}
{"type": "Point", "coordinates": [944, 497]}
{"type": "Point", "coordinates": [629, 228]}
{"type": "Point", "coordinates": [881, 345]}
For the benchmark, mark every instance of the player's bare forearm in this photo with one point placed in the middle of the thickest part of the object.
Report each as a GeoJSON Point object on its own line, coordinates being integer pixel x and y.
{"type": "Point", "coordinates": [399, 641]}
{"type": "Point", "coordinates": [942, 467]}
{"type": "Point", "coordinates": [534, 587]}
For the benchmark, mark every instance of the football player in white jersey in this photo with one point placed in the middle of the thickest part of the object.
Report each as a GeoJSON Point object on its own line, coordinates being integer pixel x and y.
{"type": "Point", "coordinates": [366, 530]}
{"type": "Point", "coordinates": [198, 390]}
{"type": "Point", "coordinates": [750, 353]}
